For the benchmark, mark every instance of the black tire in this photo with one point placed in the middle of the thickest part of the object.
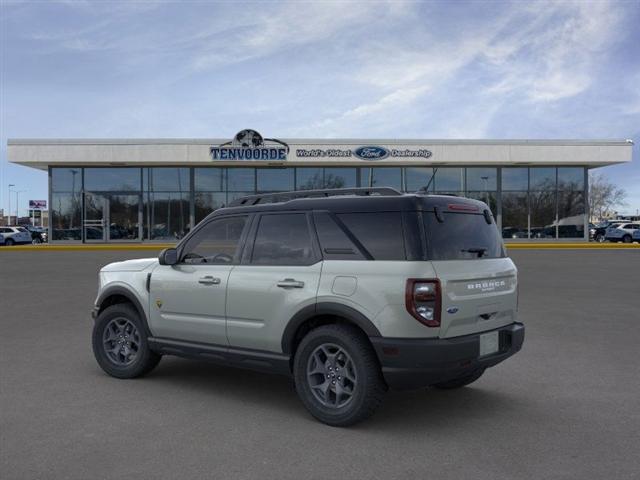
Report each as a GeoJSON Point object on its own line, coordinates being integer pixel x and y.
{"type": "Point", "coordinates": [599, 238]}
{"type": "Point", "coordinates": [139, 359]}
{"type": "Point", "coordinates": [626, 239]}
{"type": "Point", "coordinates": [459, 382]}
{"type": "Point", "coordinates": [36, 241]}
{"type": "Point", "coordinates": [9, 242]}
{"type": "Point", "coordinates": [366, 394]}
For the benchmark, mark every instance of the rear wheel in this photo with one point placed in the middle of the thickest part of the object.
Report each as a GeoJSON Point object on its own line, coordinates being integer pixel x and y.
{"type": "Point", "coordinates": [626, 239]}
{"type": "Point", "coordinates": [599, 238]}
{"type": "Point", "coordinates": [120, 343]}
{"type": "Point", "coordinates": [36, 241]}
{"type": "Point", "coordinates": [9, 242]}
{"type": "Point", "coordinates": [337, 375]}
{"type": "Point", "coordinates": [459, 382]}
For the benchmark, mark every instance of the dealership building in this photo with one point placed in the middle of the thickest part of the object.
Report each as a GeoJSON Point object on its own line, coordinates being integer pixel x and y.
{"type": "Point", "coordinates": [133, 190]}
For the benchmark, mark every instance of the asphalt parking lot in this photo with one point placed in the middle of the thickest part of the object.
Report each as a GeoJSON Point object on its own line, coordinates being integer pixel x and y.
{"type": "Point", "coordinates": [567, 406]}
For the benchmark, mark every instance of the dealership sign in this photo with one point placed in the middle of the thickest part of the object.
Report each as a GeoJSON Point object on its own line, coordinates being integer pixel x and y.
{"type": "Point", "coordinates": [365, 152]}
{"type": "Point", "coordinates": [38, 204]}
{"type": "Point", "coordinates": [250, 145]}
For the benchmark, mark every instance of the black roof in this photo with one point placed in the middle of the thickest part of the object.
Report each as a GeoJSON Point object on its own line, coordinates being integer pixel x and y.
{"type": "Point", "coordinates": [351, 200]}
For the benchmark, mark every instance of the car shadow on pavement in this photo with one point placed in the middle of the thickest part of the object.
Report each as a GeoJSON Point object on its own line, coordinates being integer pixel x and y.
{"type": "Point", "coordinates": [400, 410]}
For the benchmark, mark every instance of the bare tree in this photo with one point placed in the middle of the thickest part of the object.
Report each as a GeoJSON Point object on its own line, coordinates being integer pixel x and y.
{"type": "Point", "coordinates": [604, 196]}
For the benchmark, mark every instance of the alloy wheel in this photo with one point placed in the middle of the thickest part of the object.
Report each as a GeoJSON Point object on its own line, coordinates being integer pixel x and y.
{"type": "Point", "coordinates": [121, 341]}
{"type": "Point", "coordinates": [331, 375]}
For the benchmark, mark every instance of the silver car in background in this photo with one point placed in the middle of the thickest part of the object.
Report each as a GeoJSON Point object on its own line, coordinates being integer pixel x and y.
{"type": "Point", "coordinates": [15, 235]}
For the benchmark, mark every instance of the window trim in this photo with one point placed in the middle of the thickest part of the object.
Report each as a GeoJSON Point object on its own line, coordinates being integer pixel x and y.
{"type": "Point", "coordinates": [241, 242]}
{"type": "Point", "coordinates": [247, 254]}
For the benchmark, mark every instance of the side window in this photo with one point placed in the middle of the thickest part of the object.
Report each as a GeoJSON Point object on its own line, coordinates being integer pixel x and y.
{"type": "Point", "coordinates": [334, 242]}
{"type": "Point", "coordinates": [217, 242]}
{"type": "Point", "coordinates": [283, 239]}
{"type": "Point", "coordinates": [380, 233]}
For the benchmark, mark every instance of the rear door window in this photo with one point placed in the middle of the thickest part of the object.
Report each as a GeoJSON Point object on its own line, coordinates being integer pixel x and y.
{"type": "Point", "coordinates": [461, 236]}
{"type": "Point", "coordinates": [283, 239]}
{"type": "Point", "coordinates": [380, 233]}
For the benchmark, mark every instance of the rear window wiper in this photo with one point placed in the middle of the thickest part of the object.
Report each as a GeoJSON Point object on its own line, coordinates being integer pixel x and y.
{"type": "Point", "coordinates": [480, 251]}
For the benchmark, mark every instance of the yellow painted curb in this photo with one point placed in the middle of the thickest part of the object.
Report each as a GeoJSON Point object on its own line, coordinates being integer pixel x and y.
{"type": "Point", "coordinates": [571, 246]}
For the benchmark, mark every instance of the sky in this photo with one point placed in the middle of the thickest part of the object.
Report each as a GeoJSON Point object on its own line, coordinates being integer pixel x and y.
{"type": "Point", "coordinates": [374, 69]}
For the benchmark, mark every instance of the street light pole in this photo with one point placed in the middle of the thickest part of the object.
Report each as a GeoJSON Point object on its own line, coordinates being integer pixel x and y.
{"type": "Point", "coordinates": [18, 192]}
{"type": "Point", "coordinates": [9, 211]}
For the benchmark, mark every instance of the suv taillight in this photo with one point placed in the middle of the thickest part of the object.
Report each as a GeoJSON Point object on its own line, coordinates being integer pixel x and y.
{"type": "Point", "coordinates": [422, 298]}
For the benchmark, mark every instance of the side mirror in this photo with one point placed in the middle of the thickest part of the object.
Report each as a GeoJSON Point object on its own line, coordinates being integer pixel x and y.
{"type": "Point", "coordinates": [168, 256]}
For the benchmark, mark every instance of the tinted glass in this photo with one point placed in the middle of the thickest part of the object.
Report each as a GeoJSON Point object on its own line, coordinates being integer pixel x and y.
{"type": "Point", "coordinates": [418, 178]}
{"type": "Point", "coordinates": [340, 177]}
{"type": "Point", "coordinates": [515, 179]}
{"type": "Point", "coordinates": [283, 240]}
{"type": "Point", "coordinates": [334, 242]}
{"type": "Point", "coordinates": [386, 177]}
{"type": "Point", "coordinates": [65, 216]}
{"type": "Point", "coordinates": [570, 178]}
{"type": "Point", "coordinates": [571, 212]}
{"type": "Point", "coordinates": [167, 216]}
{"type": "Point", "coordinates": [275, 179]}
{"type": "Point", "coordinates": [309, 178]}
{"type": "Point", "coordinates": [462, 236]}
{"type": "Point", "coordinates": [111, 179]}
{"type": "Point", "coordinates": [166, 179]}
{"type": "Point", "coordinates": [482, 179]}
{"type": "Point", "coordinates": [542, 206]}
{"type": "Point", "coordinates": [380, 233]}
{"type": "Point", "coordinates": [241, 179]}
{"type": "Point", "coordinates": [209, 179]}
{"type": "Point", "coordinates": [515, 215]}
{"type": "Point", "coordinates": [542, 178]}
{"type": "Point", "coordinates": [66, 179]}
{"type": "Point", "coordinates": [450, 180]}
{"type": "Point", "coordinates": [216, 243]}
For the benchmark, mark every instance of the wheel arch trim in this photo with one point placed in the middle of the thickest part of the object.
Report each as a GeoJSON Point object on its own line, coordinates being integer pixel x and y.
{"type": "Point", "coordinates": [118, 290]}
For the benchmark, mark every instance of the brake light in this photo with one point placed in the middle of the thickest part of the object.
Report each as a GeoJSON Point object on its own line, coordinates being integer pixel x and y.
{"type": "Point", "coordinates": [423, 301]}
{"type": "Point", "coordinates": [462, 207]}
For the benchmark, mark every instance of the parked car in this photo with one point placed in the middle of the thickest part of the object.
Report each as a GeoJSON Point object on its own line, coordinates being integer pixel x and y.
{"type": "Point", "coordinates": [599, 232]}
{"type": "Point", "coordinates": [15, 235]}
{"type": "Point", "coordinates": [636, 235]}
{"type": "Point", "coordinates": [622, 232]}
{"type": "Point", "coordinates": [315, 289]}
{"type": "Point", "coordinates": [1, 239]}
{"type": "Point", "coordinates": [38, 234]}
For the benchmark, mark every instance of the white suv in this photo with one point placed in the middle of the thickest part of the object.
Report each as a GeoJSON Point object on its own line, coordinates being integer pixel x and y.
{"type": "Point", "coordinates": [622, 232]}
{"type": "Point", "coordinates": [15, 235]}
{"type": "Point", "coordinates": [349, 291]}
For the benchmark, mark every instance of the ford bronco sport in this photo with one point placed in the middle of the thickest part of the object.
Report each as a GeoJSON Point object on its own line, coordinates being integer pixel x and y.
{"type": "Point", "coordinates": [349, 291]}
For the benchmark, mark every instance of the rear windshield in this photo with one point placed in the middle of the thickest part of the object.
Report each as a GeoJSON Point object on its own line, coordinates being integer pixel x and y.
{"type": "Point", "coordinates": [462, 236]}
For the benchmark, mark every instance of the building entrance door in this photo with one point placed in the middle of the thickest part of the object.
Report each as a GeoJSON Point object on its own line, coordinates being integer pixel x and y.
{"type": "Point", "coordinates": [112, 217]}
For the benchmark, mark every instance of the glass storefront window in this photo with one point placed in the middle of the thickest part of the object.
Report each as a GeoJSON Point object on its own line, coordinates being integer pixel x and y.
{"type": "Point", "coordinates": [309, 178]}
{"type": "Point", "coordinates": [515, 215]}
{"type": "Point", "coordinates": [209, 179]}
{"type": "Point", "coordinates": [166, 179]}
{"type": "Point", "coordinates": [543, 214]}
{"type": "Point", "coordinates": [207, 202]}
{"type": "Point", "coordinates": [167, 215]}
{"type": "Point", "coordinates": [66, 179]}
{"type": "Point", "coordinates": [66, 217]}
{"type": "Point", "coordinates": [383, 177]}
{"type": "Point", "coordinates": [340, 178]}
{"type": "Point", "coordinates": [112, 179]}
{"type": "Point", "coordinates": [515, 179]}
{"type": "Point", "coordinates": [483, 179]}
{"type": "Point", "coordinates": [275, 179]}
{"type": "Point", "coordinates": [417, 178]}
{"type": "Point", "coordinates": [571, 211]}
{"type": "Point", "coordinates": [570, 178]}
{"type": "Point", "coordinates": [542, 178]}
{"type": "Point", "coordinates": [241, 179]}
{"type": "Point", "coordinates": [450, 180]}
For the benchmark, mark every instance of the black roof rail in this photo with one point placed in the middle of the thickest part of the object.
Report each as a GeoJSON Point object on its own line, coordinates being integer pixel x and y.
{"type": "Point", "coordinates": [279, 197]}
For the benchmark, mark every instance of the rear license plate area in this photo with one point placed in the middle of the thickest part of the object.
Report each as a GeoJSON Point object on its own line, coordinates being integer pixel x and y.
{"type": "Point", "coordinates": [489, 343]}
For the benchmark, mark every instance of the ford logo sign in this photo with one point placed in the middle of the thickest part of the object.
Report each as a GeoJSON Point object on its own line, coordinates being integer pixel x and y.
{"type": "Point", "coordinates": [371, 153]}
{"type": "Point", "coordinates": [452, 310]}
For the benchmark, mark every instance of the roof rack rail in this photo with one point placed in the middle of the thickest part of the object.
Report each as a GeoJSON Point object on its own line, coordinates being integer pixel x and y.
{"type": "Point", "coordinates": [280, 197]}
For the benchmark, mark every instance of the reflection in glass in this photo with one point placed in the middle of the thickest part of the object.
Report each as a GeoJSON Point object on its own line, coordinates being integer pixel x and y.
{"type": "Point", "coordinates": [571, 211]}
{"type": "Point", "coordinates": [209, 179]}
{"type": "Point", "coordinates": [66, 179]}
{"type": "Point", "coordinates": [167, 216]}
{"type": "Point", "coordinates": [241, 179]}
{"type": "Point", "coordinates": [166, 179]}
{"type": "Point", "coordinates": [542, 178]}
{"type": "Point", "coordinates": [450, 180]}
{"type": "Point", "coordinates": [124, 217]}
{"type": "Point", "coordinates": [309, 178]}
{"type": "Point", "coordinates": [543, 214]}
{"type": "Point", "coordinates": [340, 178]}
{"type": "Point", "coordinates": [384, 177]}
{"type": "Point", "coordinates": [207, 202]}
{"type": "Point", "coordinates": [417, 178]}
{"type": "Point", "coordinates": [570, 178]}
{"type": "Point", "coordinates": [490, 198]}
{"type": "Point", "coordinates": [515, 179]}
{"type": "Point", "coordinates": [514, 215]}
{"type": "Point", "coordinates": [111, 179]}
{"type": "Point", "coordinates": [66, 216]}
{"type": "Point", "coordinates": [275, 179]}
{"type": "Point", "coordinates": [484, 179]}
{"type": "Point", "coordinates": [95, 212]}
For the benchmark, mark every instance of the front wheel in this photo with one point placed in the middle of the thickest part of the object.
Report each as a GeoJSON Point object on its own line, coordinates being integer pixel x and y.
{"type": "Point", "coordinates": [626, 239]}
{"type": "Point", "coordinates": [337, 375]}
{"type": "Point", "coordinates": [599, 238]}
{"type": "Point", "coordinates": [460, 381]}
{"type": "Point", "coordinates": [9, 242]}
{"type": "Point", "coordinates": [120, 343]}
{"type": "Point", "coordinates": [36, 241]}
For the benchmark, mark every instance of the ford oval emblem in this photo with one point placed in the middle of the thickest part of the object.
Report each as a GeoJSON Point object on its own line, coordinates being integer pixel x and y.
{"type": "Point", "coordinates": [452, 310]}
{"type": "Point", "coordinates": [371, 153]}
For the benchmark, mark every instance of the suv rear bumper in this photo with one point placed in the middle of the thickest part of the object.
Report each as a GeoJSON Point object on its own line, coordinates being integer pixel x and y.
{"type": "Point", "coordinates": [409, 363]}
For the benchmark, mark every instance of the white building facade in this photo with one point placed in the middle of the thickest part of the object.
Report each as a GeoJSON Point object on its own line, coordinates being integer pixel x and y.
{"type": "Point", "coordinates": [133, 190]}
